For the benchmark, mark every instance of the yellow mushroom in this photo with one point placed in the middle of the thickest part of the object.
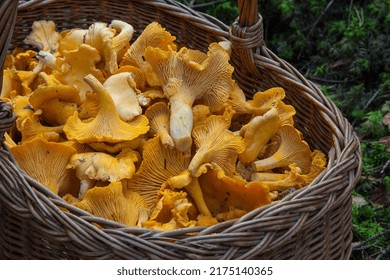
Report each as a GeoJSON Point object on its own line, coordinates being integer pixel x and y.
{"type": "Point", "coordinates": [185, 78]}
{"type": "Point", "coordinates": [73, 68]}
{"type": "Point", "coordinates": [22, 108]}
{"type": "Point", "coordinates": [100, 166]}
{"type": "Point", "coordinates": [139, 76]}
{"type": "Point", "coordinates": [111, 203]}
{"type": "Point", "coordinates": [200, 112]}
{"type": "Point", "coordinates": [158, 115]}
{"type": "Point", "coordinates": [122, 89]}
{"type": "Point", "coordinates": [32, 128]}
{"type": "Point", "coordinates": [292, 178]}
{"type": "Point", "coordinates": [223, 193]}
{"type": "Point", "coordinates": [260, 103]}
{"type": "Point", "coordinates": [257, 134]}
{"type": "Point", "coordinates": [292, 149]}
{"type": "Point", "coordinates": [158, 165]}
{"type": "Point", "coordinates": [191, 185]}
{"type": "Point", "coordinates": [153, 35]}
{"type": "Point", "coordinates": [171, 212]}
{"type": "Point", "coordinates": [45, 162]}
{"type": "Point", "coordinates": [71, 39]}
{"type": "Point", "coordinates": [107, 125]}
{"type": "Point", "coordinates": [57, 102]}
{"type": "Point", "coordinates": [216, 144]}
{"type": "Point", "coordinates": [43, 36]}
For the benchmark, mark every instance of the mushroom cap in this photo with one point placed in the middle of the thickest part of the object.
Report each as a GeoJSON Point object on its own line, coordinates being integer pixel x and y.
{"type": "Point", "coordinates": [111, 203]}
{"type": "Point", "coordinates": [71, 39]}
{"type": "Point", "coordinates": [43, 36]}
{"type": "Point", "coordinates": [74, 68]}
{"type": "Point", "coordinates": [153, 35]}
{"type": "Point", "coordinates": [292, 149]}
{"type": "Point", "coordinates": [104, 167]}
{"type": "Point", "coordinates": [158, 165]}
{"type": "Point", "coordinates": [158, 115]}
{"type": "Point", "coordinates": [122, 89]}
{"type": "Point", "coordinates": [32, 128]}
{"type": "Point", "coordinates": [216, 144]}
{"type": "Point", "coordinates": [223, 193]}
{"type": "Point", "coordinates": [44, 161]}
{"type": "Point", "coordinates": [139, 76]}
{"type": "Point", "coordinates": [257, 134]}
{"type": "Point", "coordinates": [107, 125]}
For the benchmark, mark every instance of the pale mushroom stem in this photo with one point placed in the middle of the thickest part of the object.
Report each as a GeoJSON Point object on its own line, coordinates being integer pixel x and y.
{"type": "Point", "coordinates": [197, 195]}
{"type": "Point", "coordinates": [181, 122]}
{"type": "Point", "coordinates": [265, 164]}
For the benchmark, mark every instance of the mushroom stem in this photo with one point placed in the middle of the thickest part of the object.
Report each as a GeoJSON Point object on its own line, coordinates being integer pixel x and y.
{"type": "Point", "coordinates": [197, 195]}
{"type": "Point", "coordinates": [181, 122]}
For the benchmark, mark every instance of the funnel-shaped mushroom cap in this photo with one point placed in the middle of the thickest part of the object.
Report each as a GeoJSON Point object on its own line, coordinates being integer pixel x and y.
{"type": "Point", "coordinates": [43, 36]}
{"type": "Point", "coordinates": [261, 102]}
{"type": "Point", "coordinates": [153, 35]}
{"type": "Point", "coordinates": [72, 39]}
{"type": "Point", "coordinates": [139, 76]}
{"type": "Point", "coordinates": [158, 115]}
{"type": "Point", "coordinates": [292, 149]}
{"type": "Point", "coordinates": [57, 102]}
{"type": "Point", "coordinates": [186, 77]}
{"type": "Point", "coordinates": [257, 134]}
{"type": "Point", "coordinates": [171, 211]}
{"type": "Point", "coordinates": [216, 144]}
{"type": "Point", "coordinates": [44, 161]}
{"type": "Point", "coordinates": [122, 89]}
{"type": "Point", "coordinates": [111, 203]}
{"type": "Point", "coordinates": [293, 177]}
{"type": "Point", "coordinates": [32, 128]}
{"type": "Point", "coordinates": [107, 125]}
{"type": "Point", "coordinates": [158, 165]}
{"type": "Point", "coordinates": [104, 167]}
{"type": "Point", "coordinates": [223, 193]}
{"type": "Point", "coordinates": [22, 108]}
{"type": "Point", "coordinates": [74, 67]}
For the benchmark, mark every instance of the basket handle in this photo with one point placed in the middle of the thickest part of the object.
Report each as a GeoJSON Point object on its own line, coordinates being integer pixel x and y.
{"type": "Point", "coordinates": [248, 12]}
{"type": "Point", "coordinates": [246, 34]}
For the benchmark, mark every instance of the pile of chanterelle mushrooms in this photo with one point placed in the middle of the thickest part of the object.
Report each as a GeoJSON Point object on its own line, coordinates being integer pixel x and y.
{"type": "Point", "coordinates": [148, 133]}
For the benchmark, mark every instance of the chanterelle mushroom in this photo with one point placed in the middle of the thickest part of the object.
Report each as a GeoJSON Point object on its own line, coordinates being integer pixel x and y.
{"type": "Point", "coordinates": [223, 193]}
{"type": "Point", "coordinates": [57, 102]}
{"type": "Point", "coordinates": [292, 149]}
{"type": "Point", "coordinates": [216, 144]}
{"type": "Point", "coordinates": [45, 162]}
{"type": "Point", "coordinates": [43, 36]}
{"type": "Point", "coordinates": [73, 68]}
{"type": "Point", "coordinates": [107, 125]}
{"type": "Point", "coordinates": [103, 167]}
{"type": "Point", "coordinates": [111, 203]}
{"type": "Point", "coordinates": [158, 165]}
{"type": "Point", "coordinates": [122, 89]}
{"type": "Point", "coordinates": [153, 35]}
{"type": "Point", "coordinates": [186, 78]}
{"type": "Point", "coordinates": [158, 115]}
{"type": "Point", "coordinates": [258, 132]}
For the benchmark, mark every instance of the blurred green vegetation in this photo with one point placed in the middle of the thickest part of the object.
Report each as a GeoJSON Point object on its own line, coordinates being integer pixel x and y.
{"type": "Point", "coordinates": [344, 47]}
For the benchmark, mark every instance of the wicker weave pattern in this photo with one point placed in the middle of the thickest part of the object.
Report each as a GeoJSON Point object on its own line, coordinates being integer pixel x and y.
{"type": "Point", "coordinates": [311, 223]}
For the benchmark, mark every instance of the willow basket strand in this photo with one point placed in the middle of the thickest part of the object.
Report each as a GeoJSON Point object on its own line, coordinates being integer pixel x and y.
{"type": "Point", "coordinates": [311, 223]}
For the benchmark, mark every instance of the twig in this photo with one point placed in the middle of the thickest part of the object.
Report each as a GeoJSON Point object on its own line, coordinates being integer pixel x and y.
{"type": "Point", "coordinates": [371, 100]}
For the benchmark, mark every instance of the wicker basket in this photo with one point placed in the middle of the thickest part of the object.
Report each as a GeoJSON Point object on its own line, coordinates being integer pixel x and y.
{"type": "Point", "coordinates": [311, 223]}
